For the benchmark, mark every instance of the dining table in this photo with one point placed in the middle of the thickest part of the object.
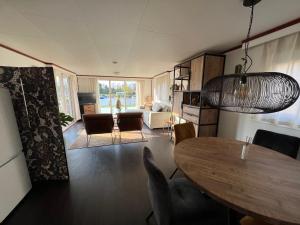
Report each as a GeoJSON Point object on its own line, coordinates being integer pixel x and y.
{"type": "Point", "coordinates": [264, 185]}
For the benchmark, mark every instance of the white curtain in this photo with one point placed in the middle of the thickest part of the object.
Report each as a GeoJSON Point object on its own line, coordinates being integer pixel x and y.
{"type": "Point", "coordinates": [283, 55]}
{"type": "Point", "coordinates": [87, 84]}
{"type": "Point", "coordinates": [162, 88]}
{"type": "Point", "coordinates": [74, 90]}
{"type": "Point", "coordinates": [140, 97]}
{"type": "Point", "coordinates": [97, 92]}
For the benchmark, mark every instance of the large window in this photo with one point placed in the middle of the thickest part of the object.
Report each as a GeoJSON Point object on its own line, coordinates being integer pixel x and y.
{"type": "Point", "coordinates": [112, 92]}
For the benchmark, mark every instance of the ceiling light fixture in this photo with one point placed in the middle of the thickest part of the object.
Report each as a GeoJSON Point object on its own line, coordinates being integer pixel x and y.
{"type": "Point", "coordinates": [254, 93]}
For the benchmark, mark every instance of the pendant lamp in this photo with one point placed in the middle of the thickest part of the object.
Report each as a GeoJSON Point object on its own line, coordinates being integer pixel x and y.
{"type": "Point", "coordinates": [253, 93]}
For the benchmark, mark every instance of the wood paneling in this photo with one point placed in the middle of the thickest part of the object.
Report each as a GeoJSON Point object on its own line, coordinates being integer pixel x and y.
{"type": "Point", "coordinates": [266, 185]}
{"type": "Point", "coordinates": [209, 116]}
{"type": "Point", "coordinates": [191, 110]}
{"type": "Point", "coordinates": [203, 68]}
{"type": "Point", "coordinates": [214, 66]}
{"type": "Point", "coordinates": [208, 131]}
{"type": "Point", "coordinates": [190, 118]}
{"type": "Point", "coordinates": [196, 73]}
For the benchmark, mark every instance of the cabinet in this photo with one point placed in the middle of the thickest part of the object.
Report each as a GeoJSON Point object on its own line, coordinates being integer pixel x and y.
{"type": "Point", "coordinates": [188, 103]}
{"type": "Point", "coordinates": [196, 74]}
{"type": "Point", "coordinates": [88, 109]}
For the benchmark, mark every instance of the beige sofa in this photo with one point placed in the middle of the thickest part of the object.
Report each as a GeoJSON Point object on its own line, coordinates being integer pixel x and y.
{"type": "Point", "coordinates": [157, 117]}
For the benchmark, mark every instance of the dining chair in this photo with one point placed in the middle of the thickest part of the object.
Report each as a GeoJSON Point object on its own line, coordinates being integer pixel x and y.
{"type": "Point", "coordinates": [178, 201]}
{"type": "Point", "coordinates": [183, 131]}
{"type": "Point", "coordinates": [248, 220]}
{"type": "Point", "coordinates": [282, 143]}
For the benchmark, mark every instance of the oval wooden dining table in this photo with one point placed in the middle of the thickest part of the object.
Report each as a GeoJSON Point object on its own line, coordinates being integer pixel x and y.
{"type": "Point", "coordinates": [266, 185]}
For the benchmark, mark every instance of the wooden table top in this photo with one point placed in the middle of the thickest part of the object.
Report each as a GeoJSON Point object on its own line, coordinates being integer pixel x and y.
{"type": "Point", "coordinates": [266, 185]}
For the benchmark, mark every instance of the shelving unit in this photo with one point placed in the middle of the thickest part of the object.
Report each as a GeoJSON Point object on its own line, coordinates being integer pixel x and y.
{"type": "Point", "coordinates": [187, 101]}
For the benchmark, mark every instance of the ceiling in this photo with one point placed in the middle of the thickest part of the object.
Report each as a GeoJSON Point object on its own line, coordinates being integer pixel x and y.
{"type": "Point", "coordinates": [145, 37]}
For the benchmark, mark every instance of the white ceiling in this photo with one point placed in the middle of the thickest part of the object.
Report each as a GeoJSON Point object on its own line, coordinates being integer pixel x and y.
{"type": "Point", "coordinates": [146, 37]}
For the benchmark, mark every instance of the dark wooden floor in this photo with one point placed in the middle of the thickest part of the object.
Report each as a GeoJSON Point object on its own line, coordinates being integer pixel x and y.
{"type": "Point", "coordinates": [108, 186]}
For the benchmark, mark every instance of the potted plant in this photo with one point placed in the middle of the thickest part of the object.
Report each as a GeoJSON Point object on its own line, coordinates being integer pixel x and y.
{"type": "Point", "coordinates": [65, 119]}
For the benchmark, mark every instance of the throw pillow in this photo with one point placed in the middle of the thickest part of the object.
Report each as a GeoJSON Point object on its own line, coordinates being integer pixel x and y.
{"type": "Point", "coordinates": [156, 107]}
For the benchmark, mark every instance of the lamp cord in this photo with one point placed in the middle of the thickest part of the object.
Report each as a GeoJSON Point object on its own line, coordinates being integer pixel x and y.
{"type": "Point", "coordinates": [247, 57]}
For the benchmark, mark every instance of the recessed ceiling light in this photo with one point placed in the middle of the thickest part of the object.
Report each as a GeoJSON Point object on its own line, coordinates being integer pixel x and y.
{"type": "Point", "coordinates": [114, 62]}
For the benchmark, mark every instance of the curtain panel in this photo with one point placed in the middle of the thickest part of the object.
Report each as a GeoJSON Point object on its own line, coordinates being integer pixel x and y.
{"type": "Point", "coordinates": [283, 55]}
{"type": "Point", "coordinates": [67, 90]}
{"type": "Point", "coordinates": [140, 96]}
{"type": "Point", "coordinates": [162, 88]}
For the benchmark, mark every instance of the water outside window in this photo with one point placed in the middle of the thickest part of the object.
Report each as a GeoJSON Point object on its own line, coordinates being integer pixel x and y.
{"type": "Point", "coordinates": [113, 91]}
{"type": "Point", "coordinates": [104, 96]}
{"type": "Point", "coordinates": [130, 90]}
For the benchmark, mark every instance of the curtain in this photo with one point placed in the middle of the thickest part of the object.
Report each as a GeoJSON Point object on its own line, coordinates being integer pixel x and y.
{"type": "Point", "coordinates": [74, 89]}
{"type": "Point", "coordinates": [162, 88]}
{"type": "Point", "coordinates": [87, 84]}
{"type": "Point", "coordinates": [283, 55]}
{"type": "Point", "coordinates": [96, 86]}
{"type": "Point", "coordinates": [67, 90]}
{"type": "Point", "coordinates": [140, 97]}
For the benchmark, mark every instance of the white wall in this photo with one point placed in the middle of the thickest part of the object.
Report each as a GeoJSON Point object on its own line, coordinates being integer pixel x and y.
{"type": "Point", "coordinates": [237, 125]}
{"type": "Point", "coordinates": [10, 58]}
{"type": "Point", "coordinates": [84, 86]}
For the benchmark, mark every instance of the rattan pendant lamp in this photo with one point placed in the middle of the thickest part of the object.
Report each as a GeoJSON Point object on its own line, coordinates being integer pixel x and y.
{"type": "Point", "coordinates": [254, 93]}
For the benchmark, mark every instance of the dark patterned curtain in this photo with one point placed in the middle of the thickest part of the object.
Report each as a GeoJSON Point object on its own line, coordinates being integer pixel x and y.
{"type": "Point", "coordinates": [36, 107]}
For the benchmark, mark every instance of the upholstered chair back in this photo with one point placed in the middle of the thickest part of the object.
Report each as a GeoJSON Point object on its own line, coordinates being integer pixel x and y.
{"type": "Point", "coordinates": [184, 131]}
{"type": "Point", "coordinates": [282, 143]}
{"type": "Point", "coordinates": [158, 189]}
{"type": "Point", "coordinates": [98, 123]}
{"type": "Point", "coordinates": [130, 121]}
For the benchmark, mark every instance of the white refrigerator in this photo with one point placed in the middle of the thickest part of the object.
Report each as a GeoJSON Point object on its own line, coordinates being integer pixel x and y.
{"type": "Point", "coordinates": [14, 178]}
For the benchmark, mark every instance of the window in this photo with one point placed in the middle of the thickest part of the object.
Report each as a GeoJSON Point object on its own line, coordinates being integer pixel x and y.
{"type": "Point", "coordinates": [283, 55]}
{"type": "Point", "coordinates": [111, 92]}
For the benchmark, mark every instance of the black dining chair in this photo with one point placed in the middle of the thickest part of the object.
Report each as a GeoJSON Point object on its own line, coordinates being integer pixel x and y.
{"type": "Point", "coordinates": [178, 201]}
{"type": "Point", "coordinates": [285, 144]}
{"type": "Point", "coordinates": [282, 143]}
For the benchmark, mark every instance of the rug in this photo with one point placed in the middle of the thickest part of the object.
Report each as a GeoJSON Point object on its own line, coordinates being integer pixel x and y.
{"type": "Point", "coordinates": [98, 140]}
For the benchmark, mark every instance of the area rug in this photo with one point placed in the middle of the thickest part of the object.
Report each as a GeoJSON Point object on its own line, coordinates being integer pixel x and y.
{"type": "Point", "coordinates": [98, 140]}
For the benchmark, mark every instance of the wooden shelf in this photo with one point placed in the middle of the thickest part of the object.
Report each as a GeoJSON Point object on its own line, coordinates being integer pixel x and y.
{"type": "Point", "coordinates": [192, 106]}
{"type": "Point", "coordinates": [183, 78]}
{"type": "Point", "coordinates": [188, 103]}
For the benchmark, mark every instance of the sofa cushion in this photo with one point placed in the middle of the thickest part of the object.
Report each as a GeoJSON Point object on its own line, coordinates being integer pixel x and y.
{"type": "Point", "coordinates": [157, 107]}
{"type": "Point", "coordinates": [166, 108]}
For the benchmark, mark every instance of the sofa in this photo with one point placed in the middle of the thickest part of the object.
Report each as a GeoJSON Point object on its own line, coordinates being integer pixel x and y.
{"type": "Point", "coordinates": [157, 116]}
